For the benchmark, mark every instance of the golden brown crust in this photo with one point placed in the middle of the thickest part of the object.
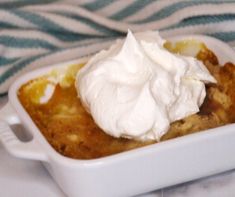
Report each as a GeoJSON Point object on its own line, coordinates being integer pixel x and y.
{"type": "Point", "coordinates": [72, 132]}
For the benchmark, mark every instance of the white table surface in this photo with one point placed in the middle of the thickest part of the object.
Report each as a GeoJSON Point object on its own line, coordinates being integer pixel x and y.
{"type": "Point", "coordinates": [25, 178]}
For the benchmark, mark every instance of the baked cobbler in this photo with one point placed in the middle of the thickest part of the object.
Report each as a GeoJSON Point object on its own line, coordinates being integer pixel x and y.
{"type": "Point", "coordinates": [72, 132]}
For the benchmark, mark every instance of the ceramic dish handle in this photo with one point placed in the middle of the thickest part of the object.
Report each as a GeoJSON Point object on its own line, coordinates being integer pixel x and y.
{"type": "Point", "coordinates": [27, 150]}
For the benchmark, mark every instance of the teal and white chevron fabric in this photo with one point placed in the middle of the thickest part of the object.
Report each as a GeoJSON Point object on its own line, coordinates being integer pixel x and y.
{"type": "Point", "coordinates": [37, 33]}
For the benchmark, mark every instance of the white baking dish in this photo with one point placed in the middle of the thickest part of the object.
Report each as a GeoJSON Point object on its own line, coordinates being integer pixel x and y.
{"type": "Point", "coordinates": [128, 173]}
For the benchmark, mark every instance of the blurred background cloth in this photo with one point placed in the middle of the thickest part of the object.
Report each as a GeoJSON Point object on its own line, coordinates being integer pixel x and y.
{"type": "Point", "coordinates": [37, 33]}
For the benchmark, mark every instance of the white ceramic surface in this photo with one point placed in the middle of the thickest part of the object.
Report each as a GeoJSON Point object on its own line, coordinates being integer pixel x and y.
{"type": "Point", "coordinates": [20, 177]}
{"type": "Point", "coordinates": [132, 172]}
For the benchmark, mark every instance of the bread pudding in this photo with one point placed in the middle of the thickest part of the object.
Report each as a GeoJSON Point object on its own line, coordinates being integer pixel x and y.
{"type": "Point", "coordinates": [72, 132]}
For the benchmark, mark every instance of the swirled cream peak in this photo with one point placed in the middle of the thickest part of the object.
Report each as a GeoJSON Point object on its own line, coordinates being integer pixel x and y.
{"type": "Point", "coordinates": [136, 88]}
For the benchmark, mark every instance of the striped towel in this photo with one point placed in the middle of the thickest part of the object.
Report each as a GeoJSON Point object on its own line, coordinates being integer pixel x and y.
{"type": "Point", "coordinates": [36, 33]}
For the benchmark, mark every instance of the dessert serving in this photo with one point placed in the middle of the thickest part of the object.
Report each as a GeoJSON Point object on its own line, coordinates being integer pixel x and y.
{"type": "Point", "coordinates": [73, 144]}
{"type": "Point", "coordinates": [140, 91]}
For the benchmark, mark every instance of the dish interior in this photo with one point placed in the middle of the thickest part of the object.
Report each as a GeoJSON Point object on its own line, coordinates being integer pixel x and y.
{"type": "Point", "coordinates": [72, 132]}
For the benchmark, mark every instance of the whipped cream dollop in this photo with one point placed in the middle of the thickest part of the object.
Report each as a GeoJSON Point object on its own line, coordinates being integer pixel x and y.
{"type": "Point", "coordinates": [136, 88]}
